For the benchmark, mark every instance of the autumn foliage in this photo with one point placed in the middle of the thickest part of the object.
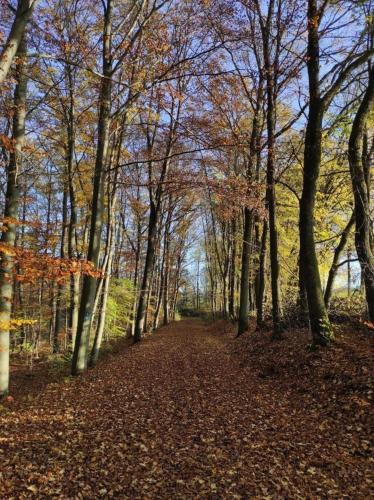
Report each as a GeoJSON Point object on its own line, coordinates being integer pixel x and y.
{"type": "Point", "coordinates": [199, 160]}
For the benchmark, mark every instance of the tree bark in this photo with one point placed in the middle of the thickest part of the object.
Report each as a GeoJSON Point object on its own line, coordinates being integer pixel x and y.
{"type": "Point", "coordinates": [160, 293]}
{"type": "Point", "coordinates": [136, 273]}
{"type": "Point", "coordinates": [232, 278]}
{"type": "Point", "coordinates": [261, 276]}
{"type": "Point", "coordinates": [80, 355]}
{"type": "Point", "coordinates": [244, 279]}
{"type": "Point", "coordinates": [363, 236]}
{"type": "Point", "coordinates": [22, 17]}
{"type": "Point", "coordinates": [271, 205]}
{"type": "Point", "coordinates": [243, 322]}
{"type": "Point", "coordinates": [319, 321]}
{"type": "Point", "coordinates": [176, 285]}
{"type": "Point", "coordinates": [72, 236]}
{"type": "Point", "coordinates": [270, 168]}
{"type": "Point", "coordinates": [148, 265]}
{"type": "Point", "coordinates": [60, 299]}
{"type": "Point", "coordinates": [105, 294]}
{"type": "Point", "coordinates": [8, 236]}
{"type": "Point", "coordinates": [335, 262]}
{"type": "Point", "coordinates": [166, 304]}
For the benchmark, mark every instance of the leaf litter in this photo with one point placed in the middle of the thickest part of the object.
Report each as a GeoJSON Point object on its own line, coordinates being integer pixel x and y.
{"type": "Point", "coordinates": [192, 412]}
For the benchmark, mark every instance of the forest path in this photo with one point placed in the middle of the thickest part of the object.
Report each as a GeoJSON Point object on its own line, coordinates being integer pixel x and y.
{"type": "Point", "coordinates": [175, 416]}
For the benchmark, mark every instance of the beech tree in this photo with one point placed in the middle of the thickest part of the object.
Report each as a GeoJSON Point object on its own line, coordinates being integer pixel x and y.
{"type": "Point", "coordinates": [361, 191]}
{"type": "Point", "coordinates": [319, 100]}
{"type": "Point", "coordinates": [22, 16]}
{"type": "Point", "coordinates": [80, 356]}
{"type": "Point", "coordinates": [10, 219]}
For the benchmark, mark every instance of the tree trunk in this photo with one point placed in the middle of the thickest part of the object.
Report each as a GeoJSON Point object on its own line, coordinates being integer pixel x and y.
{"type": "Point", "coordinates": [105, 294]}
{"type": "Point", "coordinates": [244, 280]}
{"type": "Point", "coordinates": [273, 233]}
{"type": "Point", "coordinates": [261, 277]}
{"type": "Point", "coordinates": [248, 217]}
{"type": "Point", "coordinates": [72, 237]}
{"type": "Point", "coordinates": [319, 321]}
{"type": "Point", "coordinates": [270, 185]}
{"type": "Point", "coordinates": [150, 294]}
{"type": "Point", "coordinates": [8, 236]}
{"type": "Point", "coordinates": [60, 299]}
{"type": "Point", "coordinates": [146, 282]}
{"type": "Point", "coordinates": [160, 293]}
{"type": "Point", "coordinates": [136, 276]}
{"type": "Point", "coordinates": [22, 16]}
{"type": "Point", "coordinates": [166, 276]}
{"type": "Point", "coordinates": [363, 236]}
{"type": "Point", "coordinates": [232, 279]}
{"type": "Point", "coordinates": [337, 255]}
{"type": "Point", "coordinates": [80, 355]}
{"type": "Point", "coordinates": [74, 307]}
{"type": "Point", "coordinates": [176, 286]}
{"type": "Point", "coordinates": [243, 322]}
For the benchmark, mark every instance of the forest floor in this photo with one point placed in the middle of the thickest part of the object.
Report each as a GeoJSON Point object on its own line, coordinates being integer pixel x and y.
{"type": "Point", "coordinates": [191, 412]}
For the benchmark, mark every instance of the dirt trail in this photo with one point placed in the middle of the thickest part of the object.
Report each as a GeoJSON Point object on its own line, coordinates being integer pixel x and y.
{"type": "Point", "coordinates": [175, 416]}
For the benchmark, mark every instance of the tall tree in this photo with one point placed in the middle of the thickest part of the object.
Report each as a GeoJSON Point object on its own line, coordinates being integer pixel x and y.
{"type": "Point", "coordinates": [80, 355]}
{"type": "Point", "coordinates": [363, 232]}
{"type": "Point", "coordinates": [271, 69]}
{"type": "Point", "coordinates": [10, 221]}
{"type": "Point", "coordinates": [319, 101]}
{"type": "Point", "coordinates": [22, 16]}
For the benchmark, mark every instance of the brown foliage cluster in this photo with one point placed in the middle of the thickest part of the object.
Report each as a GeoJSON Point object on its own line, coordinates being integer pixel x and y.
{"type": "Point", "coordinates": [32, 266]}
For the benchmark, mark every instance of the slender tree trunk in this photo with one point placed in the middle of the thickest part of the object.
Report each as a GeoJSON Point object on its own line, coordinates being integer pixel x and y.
{"type": "Point", "coordinates": [105, 294]}
{"type": "Point", "coordinates": [244, 281]}
{"type": "Point", "coordinates": [72, 236]}
{"type": "Point", "coordinates": [146, 282]}
{"type": "Point", "coordinates": [74, 306]}
{"type": "Point", "coordinates": [154, 214]}
{"type": "Point", "coordinates": [60, 299]}
{"type": "Point", "coordinates": [80, 355]}
{"type": "Point", "coordinates": [136, 276]}
{"type": "Point", "coordinates": [22, 17]}
{"type": "Point", "coordinates": [261, 276]}
{"type": "Point", "coordinates": [253, 155]}
{"type": "Point", "coordinates": [335, 262]}
{"type": "Point", "coordinates": [270, 184]}
{"type": "Point", "coordinates": [166, 305]}
{"type": "Point", "coordinates": [148, 301]}
{"type": "Point", "coordinates": [19, 287]}
{"type": "Point", "coordinates": [363, 230]}
{"type": "Point", "coordinates": [271, 205]}
{"type": "Point", "coordinates": [164, 276]}
{"type": "Point", "coordinates": [160, 293]}
{"type": "Point", "coordinates": [8, 237]}
{"type": "Point", "coordinates": [232, 283]}
{"type": "Point", "coordinates": [319, 321]}
{"type": "Point", "coordinates": [176, 287]}
{"type": "Point", "coordinates": [107, 257]}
